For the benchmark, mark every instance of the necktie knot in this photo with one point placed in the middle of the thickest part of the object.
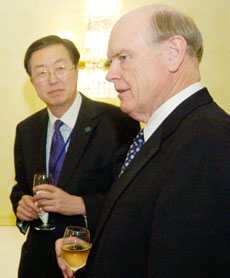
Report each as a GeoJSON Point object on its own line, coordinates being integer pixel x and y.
{"type": "Point", "coordinates": [138, 142]}
{"type": "Point", "coordinates": [58, 124]}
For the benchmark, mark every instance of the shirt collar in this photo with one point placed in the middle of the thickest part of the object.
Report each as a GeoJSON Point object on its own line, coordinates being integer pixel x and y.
{"type": "Point", "coordinates": [166, 108]}
{"type": "Point", "coordinates": [70, 116]}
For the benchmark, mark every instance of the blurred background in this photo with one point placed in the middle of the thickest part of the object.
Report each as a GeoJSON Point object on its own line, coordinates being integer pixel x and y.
{"type": "Point", "coordinates": [87, 23]}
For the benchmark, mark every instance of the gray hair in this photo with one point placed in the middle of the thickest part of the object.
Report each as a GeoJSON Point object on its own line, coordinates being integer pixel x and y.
{"type": "Point", "coordinates": [168, 23]}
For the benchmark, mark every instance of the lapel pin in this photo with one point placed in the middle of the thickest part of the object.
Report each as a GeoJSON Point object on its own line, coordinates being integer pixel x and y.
{"type": "Point", "coordinates": [88, 129]}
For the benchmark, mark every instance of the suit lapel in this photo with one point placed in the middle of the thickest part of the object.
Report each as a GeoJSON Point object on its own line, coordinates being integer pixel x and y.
{"type": "Point", "coordinates": [141, 158]}
{"type": "Point", "coordinates": [150, 148]}
{"type": "Point", "coordinates": [85, 124]}
{"type": "Point", "coordinates": [147, 152]}
{"type": "Point", "coordinates": [39, 131]}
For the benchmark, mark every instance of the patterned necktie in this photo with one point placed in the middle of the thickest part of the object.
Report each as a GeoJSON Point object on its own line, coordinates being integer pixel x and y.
{"type": "Point", "coordinates": [138, 142]}
{"type": "Point", "coordinates": [57, 152]}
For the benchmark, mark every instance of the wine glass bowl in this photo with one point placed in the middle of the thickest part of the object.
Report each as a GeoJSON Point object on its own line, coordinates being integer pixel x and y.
{"type": "Point", "coordinates": [76, 247]}
{"type": "Point", "coordinates": [42, 178]}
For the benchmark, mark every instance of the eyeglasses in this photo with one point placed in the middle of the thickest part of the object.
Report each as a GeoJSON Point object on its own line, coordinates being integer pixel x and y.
{"type": "Point", "coordinates": [60, 72]}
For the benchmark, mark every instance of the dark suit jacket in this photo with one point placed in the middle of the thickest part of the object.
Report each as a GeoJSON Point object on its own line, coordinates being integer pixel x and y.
{"type": "Point", "coordinates": [98, 147]}
{"type": "Point", "coordinates": [168, 215]}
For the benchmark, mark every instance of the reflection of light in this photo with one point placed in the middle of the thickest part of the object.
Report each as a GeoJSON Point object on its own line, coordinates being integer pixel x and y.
{"type": "Point", "coordinates": [65, 34]}
{"type": "Point", "coordinates": [102, 7]}
{"type": "Point", "coordinates": [101, 19]}
{"type": "Point", "coordinates": [93, 39]}
{"type": "Point", "coordinates": [91, 82]}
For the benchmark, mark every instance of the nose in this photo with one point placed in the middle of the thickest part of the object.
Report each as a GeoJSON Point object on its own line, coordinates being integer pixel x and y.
{"type": "Point", "coordinates": [53, 77]}
{"type": "Point", "coordinates": [113, 72]}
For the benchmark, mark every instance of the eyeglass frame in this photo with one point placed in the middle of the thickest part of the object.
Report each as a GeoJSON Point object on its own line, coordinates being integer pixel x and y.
{"type": "Point", "coordinates": [33, 79]}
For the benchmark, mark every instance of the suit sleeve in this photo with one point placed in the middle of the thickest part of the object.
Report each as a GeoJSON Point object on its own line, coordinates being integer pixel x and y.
{"type": "Point", "coordinates": [21, 187]}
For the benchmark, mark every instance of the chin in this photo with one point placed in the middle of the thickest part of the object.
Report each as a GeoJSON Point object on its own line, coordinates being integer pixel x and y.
{"type": "Point", "coordinates": [125, 108]}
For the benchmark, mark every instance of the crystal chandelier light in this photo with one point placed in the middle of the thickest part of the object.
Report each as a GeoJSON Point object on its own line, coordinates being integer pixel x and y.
{"type": "Point", "coordinates": [92, 83]}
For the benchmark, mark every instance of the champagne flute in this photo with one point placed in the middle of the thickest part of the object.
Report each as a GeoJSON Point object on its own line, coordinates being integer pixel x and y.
{"type": "Point", "coordinates": [42, 178]}
{"type": "Point", "coordinates": [76, 247]}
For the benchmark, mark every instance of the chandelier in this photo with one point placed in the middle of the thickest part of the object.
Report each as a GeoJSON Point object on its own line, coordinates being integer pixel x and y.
{"type": "Point", "coordinates": [92, 66]}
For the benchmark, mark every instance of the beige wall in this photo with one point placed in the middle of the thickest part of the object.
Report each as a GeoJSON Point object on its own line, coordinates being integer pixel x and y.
{"type": "Point", "coordinates": [24, 21]}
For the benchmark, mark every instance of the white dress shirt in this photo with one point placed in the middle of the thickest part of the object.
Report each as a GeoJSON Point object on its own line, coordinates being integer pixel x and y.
{"type": "Point", "coordinates": [69, 119]}
{"type": "Point", "coordinates": [166, 108]}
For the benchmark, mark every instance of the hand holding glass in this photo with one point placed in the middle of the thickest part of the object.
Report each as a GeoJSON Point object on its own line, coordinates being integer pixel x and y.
{"type": "Point", "coordinates": [42, 178]}
{"type": "Point", "coordinates": [76, 247]}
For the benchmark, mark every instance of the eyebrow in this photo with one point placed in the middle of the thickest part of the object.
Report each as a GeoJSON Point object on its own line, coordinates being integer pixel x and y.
{"type": "Point", "coordinates": [39, 66]}
{"type": "Point", "coordinates": [118, 54]}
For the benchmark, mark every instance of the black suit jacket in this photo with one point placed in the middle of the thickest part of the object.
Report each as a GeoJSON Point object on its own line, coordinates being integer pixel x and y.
{"type": "Point", "coordinates": [168, 215]}
{"type": "Point", "coordinates": [98, 147]}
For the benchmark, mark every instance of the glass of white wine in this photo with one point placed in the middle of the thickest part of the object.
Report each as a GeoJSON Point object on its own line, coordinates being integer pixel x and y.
{"type": "Point", "coordinates": [43, 178]}
{"type": "Point", "coordinates": [76, 247]}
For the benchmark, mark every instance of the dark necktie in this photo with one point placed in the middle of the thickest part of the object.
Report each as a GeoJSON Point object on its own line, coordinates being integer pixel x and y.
{"type": "Point", "coordinates": [57, 152]}
{"type": "Point", "coordinates": [138, 142]}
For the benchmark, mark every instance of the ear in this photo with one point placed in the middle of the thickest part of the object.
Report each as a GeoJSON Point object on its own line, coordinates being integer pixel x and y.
{"type": "Point", "coordinates": [177, 46]}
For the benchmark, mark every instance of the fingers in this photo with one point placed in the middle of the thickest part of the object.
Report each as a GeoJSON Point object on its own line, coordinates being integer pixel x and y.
{"type": "Point", "coordinates": [45, 187]}
{"type": "Point", "coordinates": [26, 209]}
{"type": "Point", "coordinates": [45, 191]}
{"type": "Point", "coordinates": [45, 197]}
{"type": "Point", "coordinates": [58, 245]}
{"type": "Point", "coordinates": [47, 201]}
{"type": "Point", "coordinates": [52, 199]}
{"type": "Point", "coordinates": [57, 200]}
{"type": "Point", "coordinates": [41, 195]}
{"type": "Point", "coordinates": [68, 273]}
{"type": "Point", "coordinates": [61, 264]}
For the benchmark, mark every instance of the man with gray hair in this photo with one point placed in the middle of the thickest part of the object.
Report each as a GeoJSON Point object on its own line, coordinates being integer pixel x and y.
{"type": "Point", "coordinates": [168, 214]}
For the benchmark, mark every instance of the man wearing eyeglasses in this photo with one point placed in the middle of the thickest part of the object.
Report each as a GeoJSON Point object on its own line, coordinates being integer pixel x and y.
{"type": "Point", "coordinates": [96, 138]}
